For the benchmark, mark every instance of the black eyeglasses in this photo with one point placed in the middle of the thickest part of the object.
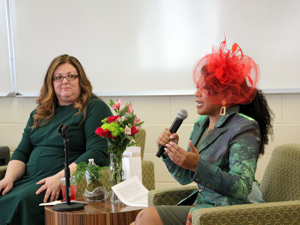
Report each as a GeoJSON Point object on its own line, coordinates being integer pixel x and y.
{"type": "Point", "coordinates": [69, 77]}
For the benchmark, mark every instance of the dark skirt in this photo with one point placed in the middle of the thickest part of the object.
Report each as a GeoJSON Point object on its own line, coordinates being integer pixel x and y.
{"type": "Point", "coordinates": [173, 215]}
{"type": "Point", "coordinates": [20, 206]}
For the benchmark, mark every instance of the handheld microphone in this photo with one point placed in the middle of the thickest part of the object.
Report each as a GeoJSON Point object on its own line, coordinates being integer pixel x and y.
{"type": "Point", "coordinates": [181, 115]}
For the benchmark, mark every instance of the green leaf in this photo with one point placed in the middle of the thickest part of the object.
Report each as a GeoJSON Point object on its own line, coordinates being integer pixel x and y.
{"type": "Point", "coordinates": [131, 119]}
{"type": "Point", "coordinates": [111, 103]}
{"type": "Point", "coordinates": [132, 144]}
{"type": "Point", "coordinates": [138, 124]}
{"type": "Point", "coordinates": [110, 144]}
{"type": "Point", "coordinates": [122, 113]}
{"type": "Point", "coordinates": [128, 115]}
{"type": "Point", "coordinates": [83, 167]}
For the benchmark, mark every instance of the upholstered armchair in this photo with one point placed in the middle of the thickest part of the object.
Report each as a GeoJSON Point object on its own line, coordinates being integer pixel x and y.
{"type": "Point", "coordinates": [147, 169]}
{"type": "Point", "coordinates": [2, 171]}
{"type": "Point", "coordinates": [4, 158]}
{"type": "Point", "coordinates": [280, 187]}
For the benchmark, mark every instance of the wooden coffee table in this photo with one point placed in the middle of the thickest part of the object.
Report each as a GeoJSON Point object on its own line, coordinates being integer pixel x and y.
{"type": "Point", "coordinates": [104, 213]}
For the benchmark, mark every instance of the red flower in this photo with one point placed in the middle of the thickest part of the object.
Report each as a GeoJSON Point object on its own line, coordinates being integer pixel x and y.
{"type": "Point", "coordinates": [134, 131]}
{"type": "Point", "coordinates": [103, 133]}
{"type": "Point", "coordinates": [110, 135]}
{"type": "Point", "coordinates": [112, 118]}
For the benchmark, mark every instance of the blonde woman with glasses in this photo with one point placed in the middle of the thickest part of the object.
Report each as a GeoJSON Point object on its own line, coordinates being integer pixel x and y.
{"type": "Point", "coordinates": [34, 169]}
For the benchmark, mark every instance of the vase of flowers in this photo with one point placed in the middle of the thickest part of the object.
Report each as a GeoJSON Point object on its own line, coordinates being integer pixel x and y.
{"type": "Point", "coordinates": [119, 131]}
{"type": "Point", "coordinates": [116, 174]}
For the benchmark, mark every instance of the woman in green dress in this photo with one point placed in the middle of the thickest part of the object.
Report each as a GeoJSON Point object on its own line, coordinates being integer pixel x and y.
{"type": "Point", "coordinates": [33, 173]}
{"type": "Point", "coordinates": [225, 142]}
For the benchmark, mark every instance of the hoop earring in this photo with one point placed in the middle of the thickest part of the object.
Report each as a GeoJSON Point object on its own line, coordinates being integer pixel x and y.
{"type": "Point", "coordinates": [223, 108]}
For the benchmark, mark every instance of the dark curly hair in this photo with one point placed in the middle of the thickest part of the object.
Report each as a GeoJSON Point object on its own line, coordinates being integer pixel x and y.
{"type": "Point", "coordinates": [259, 110]}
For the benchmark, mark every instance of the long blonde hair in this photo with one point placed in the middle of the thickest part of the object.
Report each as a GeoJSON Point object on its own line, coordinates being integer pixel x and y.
{"type": "Point", "coordinates": [47, 101]}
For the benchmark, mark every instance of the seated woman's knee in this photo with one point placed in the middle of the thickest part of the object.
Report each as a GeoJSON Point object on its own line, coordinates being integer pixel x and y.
{"type": "Point", "coordinates": [144, 213]}
{"type": "Point", "coordinates": [148, 216]}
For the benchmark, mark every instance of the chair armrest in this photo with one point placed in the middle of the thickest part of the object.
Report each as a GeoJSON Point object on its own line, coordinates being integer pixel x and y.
{"type": "Point", "coordinates": [2, 171]}
{"type": "Point", "coordinates": [148, 176]}
{"type": "Point", "coordinates": [286, 212]}
{"type": "Point", "coordinates": [169, 196]}
{"type": "Point", "coordinates": [4, 155]}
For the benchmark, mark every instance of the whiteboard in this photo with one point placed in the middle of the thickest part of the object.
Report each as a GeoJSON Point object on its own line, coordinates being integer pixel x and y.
{"type": "Point", "coordinates": [140, 47]}
{"type": "Point", "coordinates": [5, 76]}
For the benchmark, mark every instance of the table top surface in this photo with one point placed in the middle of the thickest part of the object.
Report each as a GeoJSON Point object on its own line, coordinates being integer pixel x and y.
{"type": "Point", "coordinates": [104, 213]}
{"type": "Point", "coordinates": [99, 207]}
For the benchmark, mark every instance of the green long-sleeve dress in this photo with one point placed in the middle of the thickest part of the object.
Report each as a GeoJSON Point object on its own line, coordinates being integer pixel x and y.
{"type": "Point", "coordinates": [42, 150]}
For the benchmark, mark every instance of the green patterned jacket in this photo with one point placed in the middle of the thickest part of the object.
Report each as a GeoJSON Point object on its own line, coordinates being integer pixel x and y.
{"type": "Point", "coordinates": [226, 169]}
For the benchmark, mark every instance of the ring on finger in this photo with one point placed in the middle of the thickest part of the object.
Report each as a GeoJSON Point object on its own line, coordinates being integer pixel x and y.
{"type": "Point", "coordinates": [177, 159]}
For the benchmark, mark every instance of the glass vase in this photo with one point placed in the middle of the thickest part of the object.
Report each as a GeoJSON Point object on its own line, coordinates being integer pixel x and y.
{"type": "Point", "coordinates": [116, 174]}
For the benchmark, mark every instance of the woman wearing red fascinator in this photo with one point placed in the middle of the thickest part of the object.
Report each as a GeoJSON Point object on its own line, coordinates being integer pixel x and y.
{"type": "Point", "coordinates": [225, 142]}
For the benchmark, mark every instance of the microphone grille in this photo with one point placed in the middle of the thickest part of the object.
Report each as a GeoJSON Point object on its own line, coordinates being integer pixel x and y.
{"type": "Point", "coordinates": [182, 114]}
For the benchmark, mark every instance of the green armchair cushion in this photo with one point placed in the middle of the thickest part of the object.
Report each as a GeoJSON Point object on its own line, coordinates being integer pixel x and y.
{"type": "Point", "coordinates": [280, 187]}
{"type": "Point", "coordinates": [169, 196]}
{"type": "Point", "coordinates": [281, 180]}
{"type": "Point", "coordinates": [287, 212]}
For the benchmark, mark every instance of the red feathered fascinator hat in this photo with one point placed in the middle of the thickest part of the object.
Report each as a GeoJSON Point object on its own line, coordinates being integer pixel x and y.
{"type": "Point", "coordinates": [227, 77]}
